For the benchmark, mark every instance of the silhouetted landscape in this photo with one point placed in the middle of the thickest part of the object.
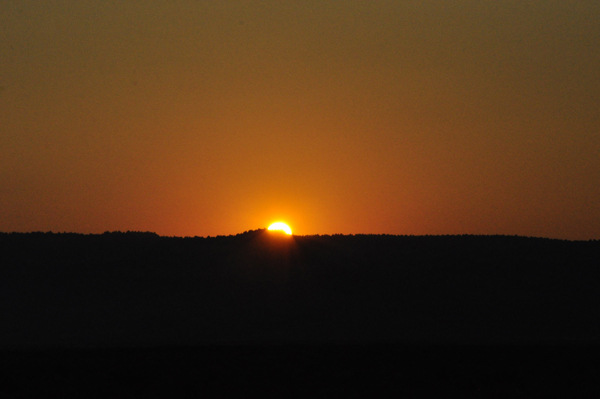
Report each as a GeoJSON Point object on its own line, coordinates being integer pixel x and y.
{"type": "Point", "coordinates": [298, 316]}
{"type": "Point", "coordinates": [170, 124]}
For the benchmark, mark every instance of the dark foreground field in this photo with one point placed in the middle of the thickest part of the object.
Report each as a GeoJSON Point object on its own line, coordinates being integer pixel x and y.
{"type": "Point", "coordinates": [136, 314]}
{"type": "Point", "coordinates": [324, 371]}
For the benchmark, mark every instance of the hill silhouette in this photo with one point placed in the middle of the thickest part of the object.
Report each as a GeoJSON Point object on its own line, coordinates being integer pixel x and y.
{"type": "Point", "coordinates": [140, 289]}
{"type": "Point", "coordinates": [261, 313]}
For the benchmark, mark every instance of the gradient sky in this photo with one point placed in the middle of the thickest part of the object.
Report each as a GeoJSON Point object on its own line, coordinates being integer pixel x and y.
{"type": "Point", "coordinates": [215, 117]}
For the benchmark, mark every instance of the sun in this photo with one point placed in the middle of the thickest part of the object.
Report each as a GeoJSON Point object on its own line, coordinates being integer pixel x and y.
{"type": "Point", "coordinates": [280, 226]}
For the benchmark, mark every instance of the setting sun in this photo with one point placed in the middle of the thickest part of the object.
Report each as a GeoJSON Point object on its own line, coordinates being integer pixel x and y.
{"type": "Point", "coordinates": [281, 227]}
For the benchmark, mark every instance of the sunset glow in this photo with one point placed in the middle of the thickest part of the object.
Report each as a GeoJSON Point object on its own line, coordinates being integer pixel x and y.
{"type": "Point", "coordinates": [196, 118]}
{"type": "Point", "coordinates": [279, 226]}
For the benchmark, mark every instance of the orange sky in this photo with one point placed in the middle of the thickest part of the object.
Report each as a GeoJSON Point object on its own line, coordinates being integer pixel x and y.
{"type": "Point", "coordinates": [216, 117]}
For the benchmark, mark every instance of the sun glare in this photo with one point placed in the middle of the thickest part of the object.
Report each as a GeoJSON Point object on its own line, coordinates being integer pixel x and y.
{"type": "Point", "coordinates": [281, 227]}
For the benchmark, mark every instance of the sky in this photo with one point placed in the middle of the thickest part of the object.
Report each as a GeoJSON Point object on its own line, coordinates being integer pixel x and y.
{"type": "Point", "coordinates": [204, 118]}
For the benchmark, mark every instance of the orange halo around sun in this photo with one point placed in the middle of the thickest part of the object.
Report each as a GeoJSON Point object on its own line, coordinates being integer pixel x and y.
{"type": "Point", "coordinates": [280, 226]}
